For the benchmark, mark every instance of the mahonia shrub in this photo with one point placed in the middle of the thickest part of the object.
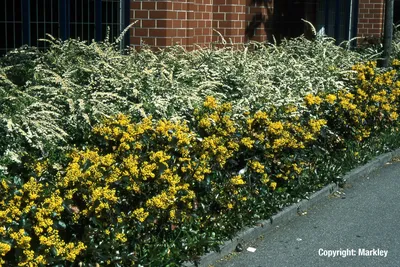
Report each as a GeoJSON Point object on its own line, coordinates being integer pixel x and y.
{"type": "Point", "coordinates": [161, 192]}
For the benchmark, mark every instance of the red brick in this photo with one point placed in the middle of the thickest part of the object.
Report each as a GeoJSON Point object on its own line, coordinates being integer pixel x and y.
{"type": "Point", "coordinates": [198, 15]}
{"type": "Point", "coordinates": [224, 24]}
{"type": "Point", "coordinates": [368, 16]}
{"type": "Point", "coordinates": [165, 5]}
{"type": "Point", "coordinates": [158, 14]}
{"type": "Point", "coordinates": [207, 16]}
{"type": "Point", "coordinates": [207, 31]}
{"type": "Point", "coordinates": [136, 5]}
{"type": "Point", "coordinates": [157, 32]}
{"type": "Point", "coordinates": [135, 40]}
{"type": "Point", "coordinates": [148, 5]}
{"type": "Point", "coordinates": [374, 31]}
{"type": "Point", "coordinates": [181, 32]}
{"type": "Point", "coordinates": [149, 41]}
{"type": "Point", "coordinates": [141, 32]}
{"type": "Point", "coordinates": [181, 15]}
{"type": "Point", "coordinates": [232, 16]}
{"type": "Point", "coordinates": [139, 14]}
{"type": "Point", "coordinates": [218, 16]}
{"type": "Point", "coordinates": [226, 9]}
{"type": "Point", "coordinates": [170, 32]}
{"type": "Point", "coordinates": [148, 23]}
{"type": "Point", "coordinates": [163, 42]}
{"type": "Point", "coordinates": [240, 9]}
{"type": "Point", "coordinates": [201, 24]}
{"type": "Point", "coordinates": [177, 6]}
{"type": "Point", "coordinates": [162, 23]}
{"type": "Point", "coordinates": [374, 21]}
{"type": "Point", "coordinates": [219, 2]}
{"type": "Point", "coordinates": [177, 23]}
{"type": "Point", "coordinates": [198, 31]}
{"type": "Point", "coordinates": [189, 32]}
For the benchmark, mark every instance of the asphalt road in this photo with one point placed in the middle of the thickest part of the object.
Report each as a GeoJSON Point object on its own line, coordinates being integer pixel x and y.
{"type": "Point", "coordinates": [358, 228]}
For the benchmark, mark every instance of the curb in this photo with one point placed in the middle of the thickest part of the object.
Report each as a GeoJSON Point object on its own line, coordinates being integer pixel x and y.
{"type": "Point", "coordinates": [291, 212]}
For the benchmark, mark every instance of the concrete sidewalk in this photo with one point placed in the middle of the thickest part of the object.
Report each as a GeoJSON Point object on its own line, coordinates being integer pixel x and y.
{"type": "Point", "coordinates": [358, 227]}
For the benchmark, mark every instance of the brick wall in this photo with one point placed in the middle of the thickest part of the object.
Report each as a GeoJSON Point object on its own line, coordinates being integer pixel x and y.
{"type": "Point", "coordinates": [191, 22]}
{"type": "Point", "coordinates": [371, 18]}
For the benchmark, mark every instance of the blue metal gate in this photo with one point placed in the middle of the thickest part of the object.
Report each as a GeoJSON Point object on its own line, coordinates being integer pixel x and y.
{"type": "Point", "coordinates": [26, 21]}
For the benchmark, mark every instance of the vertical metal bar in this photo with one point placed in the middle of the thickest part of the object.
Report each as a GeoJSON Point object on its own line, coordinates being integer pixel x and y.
{"type": "Point", "coordinates": [51, 18]}
{"type": "Point", "coordinates": [327, 17]}
{"type": "Point", "coordinates": [112, 20]}
{"type": "Point", "coordinates": [120, 21]}
{"type": "Point", "coordinates": [37, 23]}
{"type": "Point", "coordinates": [126, 21]}
{"type": "Point", "coordinates": [98, 19]}
{"type": "Point", "coordinates": [5, 23]}
{"type": "Point", "coordinates": [107, 18]}
{"type": "Point", "coordinates": [14, 22]}
{"type": "Point", "coordinates": [63, 19]}
{"type": "Point", "coordinates": [355, 20]}
{"type": "Point", "coordinates": [88, 21]}
{"type": "Point", "coordinates": [82, 22]}
{"type": "Point", "coordinates": [26, 20]}
{"type": "Point", "coordinates": [44, 20]}
{"type": "Point", "coordinates": [337, 21]}
{"type": "Point", "coordinates": [76, 19]}
{"type": "Point", "coordinates": [388, 34]}
{"type": "Point", "coordinates": [349, 19]}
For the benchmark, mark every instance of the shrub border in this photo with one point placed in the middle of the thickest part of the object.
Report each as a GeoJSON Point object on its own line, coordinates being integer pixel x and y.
{"type": "Point", "coordinates": [291, 212]}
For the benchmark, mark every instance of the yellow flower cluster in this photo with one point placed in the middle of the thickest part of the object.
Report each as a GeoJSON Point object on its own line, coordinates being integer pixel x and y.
{"type": "Point", "coordinates": [140, 214]}
{"type": "Point", "coordinates": [311, 99]}
{"type": "Point", "coordinates": [237, 180]}
{"type": "Point", "coordinates": [42, 210]}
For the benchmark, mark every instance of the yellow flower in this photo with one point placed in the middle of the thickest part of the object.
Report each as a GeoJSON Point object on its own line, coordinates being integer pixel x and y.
{"type": "Point", "coordinates": [394, 116]}
{"type": "Point", "coordinates": [260, 115]}
{"type": "Point", "coordinates": [297, 169]}
{"type": "Point", "coordinates": [140, 214]}
{"type": "Point", "coordinates": [21, 238]}
{"type": "Point", "coordinates": [237, 180]}
{"type": "Point", "coordinates": [275, 128]}
{"type": "Point", "coordinates": [121, 237]}
{"type": "Point", "coordinates": [257, 166]}
{"type": "Point", "coordinates": [4, 248]}
{"type": "Point", "coordinates": [330, 98]}
{"type": "Point", "coordinates": [273, 185]}
{"type": "Point", "coordinates": [210, 102]}
{"type": "Point", "coordinates": [205, 123]}
{"type": "Point", "coordinates": [312, 100]}
{"type": "Point", "coordinates": [316, 125]}
{"type": "Point", "coordinates": [246, 141]}
{"type": "Point", "coordinates": [264, 179]}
